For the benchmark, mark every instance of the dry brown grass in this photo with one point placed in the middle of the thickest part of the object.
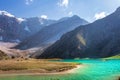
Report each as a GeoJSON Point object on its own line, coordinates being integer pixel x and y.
{"type": "Point", "coordinates": [33, 64]}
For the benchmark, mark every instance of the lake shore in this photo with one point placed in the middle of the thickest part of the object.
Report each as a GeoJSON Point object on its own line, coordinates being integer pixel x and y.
{"type": "Point", "coordinates": [36, 72]}
{"type": "Point", "coordinates": [36, 67]}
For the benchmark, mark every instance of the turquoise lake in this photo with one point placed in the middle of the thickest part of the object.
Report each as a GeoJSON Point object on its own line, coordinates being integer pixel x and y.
{"type": "Point", "coordinates": [92, 70]}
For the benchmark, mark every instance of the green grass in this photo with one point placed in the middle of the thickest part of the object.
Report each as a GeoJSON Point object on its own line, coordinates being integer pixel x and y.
{"type": "Point", "coordinates": [113, 57]}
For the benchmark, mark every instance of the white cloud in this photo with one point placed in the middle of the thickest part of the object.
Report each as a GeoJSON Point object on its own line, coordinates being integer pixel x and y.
{"type": "Point", "coordinates": [63, 3]}
{"type": "Point", "coordinates": [100, 15]}
{"type": "Point", "coordinates": [44, 16]}
{"type": "Point", "coordinates": [70, 13]}
{"type": "Point", "coordinates": [28, 2]}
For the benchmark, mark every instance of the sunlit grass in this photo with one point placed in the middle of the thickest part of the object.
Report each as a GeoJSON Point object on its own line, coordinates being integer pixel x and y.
{"type": "Point", "coordinates": [113, 57]}
{"type": "Point", "coordinates": [34, 64]}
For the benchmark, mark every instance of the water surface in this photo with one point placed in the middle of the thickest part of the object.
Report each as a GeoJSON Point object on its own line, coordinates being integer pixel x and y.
{"type": "Point", "coordinates": [92, 70]}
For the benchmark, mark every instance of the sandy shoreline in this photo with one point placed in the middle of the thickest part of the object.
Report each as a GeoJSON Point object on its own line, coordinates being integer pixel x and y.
{"type": "Point", "coordinates": [37, 73]}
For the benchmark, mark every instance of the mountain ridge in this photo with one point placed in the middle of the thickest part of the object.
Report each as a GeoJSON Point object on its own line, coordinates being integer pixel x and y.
{"type": "Point", "coordinates": [14, 29]}
{"type": "Point", "coordinates": [95, 40]}
{"type": "Point", "coordinates": [50, 34]}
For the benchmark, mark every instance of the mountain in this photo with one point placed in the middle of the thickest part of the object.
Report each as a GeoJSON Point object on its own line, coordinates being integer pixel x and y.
{"type": "Point", "coordinates": [96, 40]}
{"type": "Point", "coordinates": [13, 29]}
{"type": "Point", "coordinates": [51, 33]}
{"type": "Point", "coordinates": [34, 24]}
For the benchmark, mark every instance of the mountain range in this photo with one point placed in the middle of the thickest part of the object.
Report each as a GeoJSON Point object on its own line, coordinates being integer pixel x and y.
{"type": "Point", "coordinates": [13, 29]}
{"type": "Point", "coordinates": [51, 33]}
{"type": "Point", "coordinates": [95, 40]}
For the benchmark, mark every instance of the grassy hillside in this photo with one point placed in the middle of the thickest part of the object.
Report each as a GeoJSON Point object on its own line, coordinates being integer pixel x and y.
{"type": "Point", "coordinates": [113, 57]}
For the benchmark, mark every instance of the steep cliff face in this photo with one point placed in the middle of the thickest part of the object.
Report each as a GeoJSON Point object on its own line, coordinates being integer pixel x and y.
{"type": "Point", "coordinates": [51, 33]}
{"type": "Point", "coordinates": [98, 39]}
{"type": "Point", "coordinates": [8, 26]}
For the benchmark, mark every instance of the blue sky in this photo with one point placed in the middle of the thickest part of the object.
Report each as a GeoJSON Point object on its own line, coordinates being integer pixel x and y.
{"type": "Point", "coordinates": [55, 9]}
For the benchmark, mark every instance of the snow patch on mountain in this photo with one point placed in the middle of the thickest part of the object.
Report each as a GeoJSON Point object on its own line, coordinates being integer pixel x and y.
{"type": "Point", "coordinates": [20, 20]}
{"type": "Point", "coordinates": [16, 40]}
{"type": "Point", "coordinates": [27, 29]}
{"type": "Point", "coordinates": [6, 14]}
{"type": "Point", "coordinates": [41, 21]}
{"type": "Point", "coordinates": [1, 38]}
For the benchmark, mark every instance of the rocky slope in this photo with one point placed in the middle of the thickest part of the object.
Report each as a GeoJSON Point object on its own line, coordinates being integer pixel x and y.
{"type": "Point", "coordinates": [3, 55]}
{"type": "Point", "coordinates": [98, 39]}
{"type": "Point", "coordinates": [51, 33]}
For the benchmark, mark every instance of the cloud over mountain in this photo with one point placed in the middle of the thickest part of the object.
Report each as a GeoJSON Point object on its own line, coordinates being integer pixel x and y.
{"type": "Point", "coordinates": [100, 15]}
